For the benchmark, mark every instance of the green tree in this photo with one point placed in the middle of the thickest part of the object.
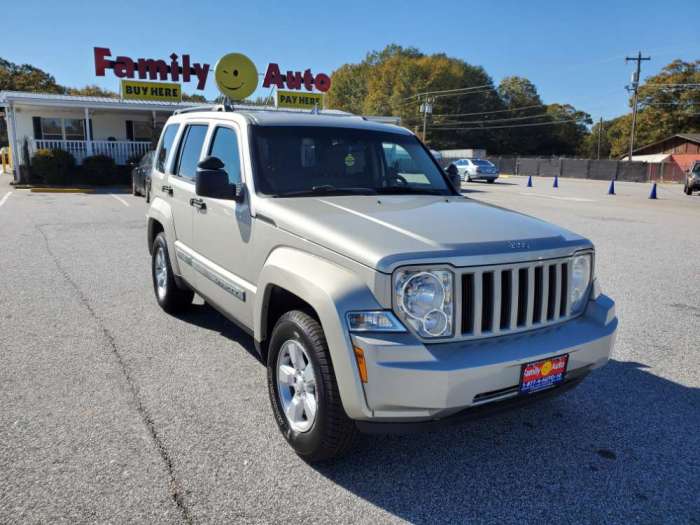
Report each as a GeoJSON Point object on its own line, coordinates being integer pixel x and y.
{"type": "Point", "coordinates": [588, 146]}
{"type": "Point", "coordinates": [186, 97]}
{"type": "Point", "coordinates": [92, 91]}
{"type": "Point", "coordinates": [24, 77]}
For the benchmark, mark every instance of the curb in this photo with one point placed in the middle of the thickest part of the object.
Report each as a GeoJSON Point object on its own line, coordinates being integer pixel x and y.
{"type": "Point", "coordinates": [61, 190]}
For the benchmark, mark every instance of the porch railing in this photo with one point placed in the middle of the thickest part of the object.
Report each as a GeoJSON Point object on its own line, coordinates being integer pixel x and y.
{"type": "Point", "coordinates": [120, 150]}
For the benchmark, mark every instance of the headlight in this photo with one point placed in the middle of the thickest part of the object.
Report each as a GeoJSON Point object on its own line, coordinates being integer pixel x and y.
{"type": "Point", "coordinates": [580, 281]}
{"type": "Point", "coordinates": [374, 321]}
{"type": "Point", "coordinates": [425, 300]}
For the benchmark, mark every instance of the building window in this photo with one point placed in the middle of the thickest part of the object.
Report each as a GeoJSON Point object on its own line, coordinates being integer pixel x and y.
{"type": "Point", "coordinates": [74, 129]}
{"type": "Point", "coordinates": [62, 129]}
{"type": "Point", "coordinates": [52, 128]}
{"type": "Point", "coordinates": [142, 131]}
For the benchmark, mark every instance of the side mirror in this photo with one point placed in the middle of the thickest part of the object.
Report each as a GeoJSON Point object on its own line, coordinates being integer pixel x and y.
{"type": "Point", "coordinates": [453, 175]}
{"type": "Point", "coordinates": [212, 181]}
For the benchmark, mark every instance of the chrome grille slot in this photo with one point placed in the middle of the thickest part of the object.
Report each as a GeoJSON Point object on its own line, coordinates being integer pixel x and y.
{"type": "Point", "coordinates": [511, 298]}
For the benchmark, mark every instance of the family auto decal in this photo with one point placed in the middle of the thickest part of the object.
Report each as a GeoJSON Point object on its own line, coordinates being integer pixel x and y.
{"type": "Point", "coordinates": [235, 74]}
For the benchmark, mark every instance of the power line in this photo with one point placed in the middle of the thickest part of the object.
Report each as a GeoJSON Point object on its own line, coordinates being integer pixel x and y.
{"type": "Point", "coordinates": [446, 91]}
{"type": "Point", "coordinates": [495, 120]}
{"type": "Point", "coordinates": [489, 112]}
{"type": "Point", "coordinates": [511, 126]}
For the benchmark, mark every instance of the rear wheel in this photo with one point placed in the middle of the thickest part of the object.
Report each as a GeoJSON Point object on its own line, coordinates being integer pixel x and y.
{"type": "Point", "coordinates": [170, 297]}
{"type": "Point", "coordinates": [491, 181]}
{"type": "Point", "coordinates": [303, 390]}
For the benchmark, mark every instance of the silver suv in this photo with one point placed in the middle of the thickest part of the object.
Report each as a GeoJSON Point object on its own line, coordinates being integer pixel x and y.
{"type": "Point", "coordinates": [331, 239]}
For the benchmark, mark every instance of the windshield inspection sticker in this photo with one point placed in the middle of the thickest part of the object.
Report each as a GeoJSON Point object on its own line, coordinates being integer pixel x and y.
{"type": "Point", "coordinates": [349, 160]}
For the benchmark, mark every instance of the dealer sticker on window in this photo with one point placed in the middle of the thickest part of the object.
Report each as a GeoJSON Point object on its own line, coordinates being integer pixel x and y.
{"type": "Point", "coordinates": [543, 374]}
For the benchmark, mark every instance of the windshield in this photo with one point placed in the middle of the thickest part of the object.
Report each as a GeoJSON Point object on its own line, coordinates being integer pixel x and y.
{"type": "Point", "coordinates": [304, 160]}
{"type": "Point", "coordinates": [480, 162]}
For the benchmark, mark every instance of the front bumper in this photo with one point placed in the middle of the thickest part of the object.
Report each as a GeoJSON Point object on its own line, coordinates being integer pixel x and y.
{"type": "Point", "coordinates": [409, 381]}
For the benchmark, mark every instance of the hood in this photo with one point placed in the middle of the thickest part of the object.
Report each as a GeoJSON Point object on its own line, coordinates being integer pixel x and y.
{"type": "Point", "coordinates": [387, 230]}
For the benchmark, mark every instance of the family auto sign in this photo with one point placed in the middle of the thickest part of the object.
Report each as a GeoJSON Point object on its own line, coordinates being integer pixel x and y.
{"type": "Point", "coordinates": [127, 67]}
{"type": "Point", "coordinates": [235, 74]}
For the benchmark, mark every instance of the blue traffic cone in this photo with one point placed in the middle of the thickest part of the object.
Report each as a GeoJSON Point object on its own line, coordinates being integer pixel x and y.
{"type": "Point", "coordinates": [529, 181]}
{"type": "Point", "coordinates": [652, 195]}
{"type": "Point", "coordinates": [611, 189]}
{"type": "Point", "coordinates": [556, 182]}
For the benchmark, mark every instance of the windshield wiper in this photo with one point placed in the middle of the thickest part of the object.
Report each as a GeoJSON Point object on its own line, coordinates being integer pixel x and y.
{"type": "Point", "coordinates": [408, 190]}
{"type": "Point", "coordinates": [328, 189]}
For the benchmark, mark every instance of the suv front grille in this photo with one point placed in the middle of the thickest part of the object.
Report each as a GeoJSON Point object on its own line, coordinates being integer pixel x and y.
{"type": "Point", "coordinates": [502, 299]}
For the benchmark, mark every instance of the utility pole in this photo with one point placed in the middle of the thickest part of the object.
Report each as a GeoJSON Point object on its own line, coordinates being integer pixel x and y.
{"type": "Point", "coordinates": [600, 133]}
{"type": "Point", "coordinates": [425, 108]}
{"type": "Point", "coordinates": [635, 88]}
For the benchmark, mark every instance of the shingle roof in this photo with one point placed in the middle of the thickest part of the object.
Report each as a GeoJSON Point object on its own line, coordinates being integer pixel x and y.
{"type": "Point", "coordinates": [692, 137]}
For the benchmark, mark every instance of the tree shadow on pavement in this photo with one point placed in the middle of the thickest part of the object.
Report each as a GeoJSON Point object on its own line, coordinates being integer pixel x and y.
{"type": "Point", "coordinates": [622, 447]}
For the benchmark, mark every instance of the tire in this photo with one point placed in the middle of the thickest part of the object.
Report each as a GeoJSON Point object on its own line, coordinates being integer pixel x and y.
{"type": "Point", "coordinates": [134, 191]}
{"type": "Point", "coordinates": [469, 179]}
{"type": "Point", "coordinates": [687, 190]}
{"type": "Point", "coordinates": [329, 433]}
{"type": "Point", "coordinates": [148, 193]}
{"type": "Point", "coordinates": [170, 297]}
{"type": "Point", "coordinates": [490, 181]}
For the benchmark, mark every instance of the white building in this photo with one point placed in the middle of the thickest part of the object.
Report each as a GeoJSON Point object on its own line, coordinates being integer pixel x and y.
{"type": "Point", "coordinates": [82, 125]}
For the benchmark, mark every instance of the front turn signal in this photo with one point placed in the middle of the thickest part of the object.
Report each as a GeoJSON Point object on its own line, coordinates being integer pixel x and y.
{"type": "Point", "coordinates": [361, 363]}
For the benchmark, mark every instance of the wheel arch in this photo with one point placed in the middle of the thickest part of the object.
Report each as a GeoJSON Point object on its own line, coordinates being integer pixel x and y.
{"type": "Point", "coordinates": [160, 219]}
{"type": "Point", "coordinates": [329, 291]}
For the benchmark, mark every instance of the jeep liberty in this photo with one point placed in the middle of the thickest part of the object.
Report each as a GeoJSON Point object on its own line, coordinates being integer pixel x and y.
{"type": "Point", "coordinates": [380, 297]}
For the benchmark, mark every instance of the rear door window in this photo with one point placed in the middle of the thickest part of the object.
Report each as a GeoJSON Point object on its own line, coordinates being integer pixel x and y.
{"type": "Point", "coordinates": [166, 145]}
{"type": "Point", "coordinates": [191, 150]}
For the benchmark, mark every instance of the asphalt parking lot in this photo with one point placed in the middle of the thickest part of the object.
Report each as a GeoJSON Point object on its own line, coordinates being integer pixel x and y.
{"type": "Point", "coordinates": [113, 411]}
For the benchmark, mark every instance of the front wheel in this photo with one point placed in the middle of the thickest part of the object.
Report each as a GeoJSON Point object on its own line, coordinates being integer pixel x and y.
{"type": "Point", "coordinates": [303, 390]}
{"type": "Point", "coordinates": [491, 181]}
{"type": "Point", "coordinates": [134, 191]}
{"type": "Point", "coordinates": [687, 190]}
{"type": "Point", "coordinates": [170, 297]}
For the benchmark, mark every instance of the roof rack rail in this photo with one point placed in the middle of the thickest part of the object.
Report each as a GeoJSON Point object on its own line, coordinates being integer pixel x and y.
{"type": "Point", "coordinates": [218, 107]}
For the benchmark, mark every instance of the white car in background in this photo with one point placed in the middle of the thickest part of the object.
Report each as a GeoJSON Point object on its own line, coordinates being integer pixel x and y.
{"type": "Point", "coordinates": [476, 169]}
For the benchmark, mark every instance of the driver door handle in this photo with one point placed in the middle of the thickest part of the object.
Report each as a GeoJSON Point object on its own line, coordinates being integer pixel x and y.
{"type": "Point", "coordinates": [198, 203]}
{"type": "Point", "coordinates": [167, 189]}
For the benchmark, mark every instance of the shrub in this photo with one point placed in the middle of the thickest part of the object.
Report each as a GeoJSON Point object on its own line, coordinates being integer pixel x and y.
{"type": "Point", "coordinates": [99, 170]}
{"type": "Point", "coordinates": [53, 166]}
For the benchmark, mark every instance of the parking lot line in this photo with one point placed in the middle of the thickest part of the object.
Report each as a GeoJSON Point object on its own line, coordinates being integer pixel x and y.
{"type": "Point", "coordinates": [120, 199]}
{"type": "Point", "coordinates": [4, 198]}
{"type": "Point", "coordinates": [575, 199]}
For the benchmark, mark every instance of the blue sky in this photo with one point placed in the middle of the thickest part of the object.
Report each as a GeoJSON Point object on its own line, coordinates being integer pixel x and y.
{"type": "Point", "coordinates": [573, 51]}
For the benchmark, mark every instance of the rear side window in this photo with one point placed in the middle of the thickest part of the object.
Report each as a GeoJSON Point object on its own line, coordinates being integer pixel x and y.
{"type": "Point", "coordinates": [190, 150]}
{"type": "Point", "coordinates": [166, 145]}
{"type": "Point", "coordinates": [224, 145]}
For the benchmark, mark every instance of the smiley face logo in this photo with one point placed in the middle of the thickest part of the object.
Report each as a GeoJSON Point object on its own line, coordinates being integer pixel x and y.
{"type": "Point", "coordinates": [546, 368]}
{"type": "Point", "coordinates": [236, 76]}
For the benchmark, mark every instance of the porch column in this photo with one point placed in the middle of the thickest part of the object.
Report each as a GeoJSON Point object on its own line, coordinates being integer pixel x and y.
{"type": "Point", "coordinates": [88, 134]}
{"type": "Point", "coordinates": [16, 154]}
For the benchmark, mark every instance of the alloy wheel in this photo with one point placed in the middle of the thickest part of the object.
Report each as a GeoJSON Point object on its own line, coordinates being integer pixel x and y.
{"type": "Point", "coordinates": [296, 385]}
